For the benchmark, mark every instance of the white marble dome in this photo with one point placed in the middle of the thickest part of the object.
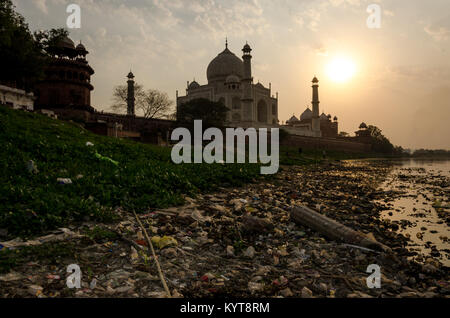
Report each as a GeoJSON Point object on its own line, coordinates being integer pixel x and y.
{"type": "Point", "coordinates": [224, 65]}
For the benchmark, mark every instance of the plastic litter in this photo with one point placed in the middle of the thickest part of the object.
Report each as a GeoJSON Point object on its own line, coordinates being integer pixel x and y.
{"type": "Point", "coordinates": [89, 144]}
{"type": "Point", "coordinates": [103, 158]}
{"type": "Point", "coordinates": [64, 180]}
{"type": "Point", "coordinates": [31, 167]}
{"type": "Point", "coordinates": [165, 241]}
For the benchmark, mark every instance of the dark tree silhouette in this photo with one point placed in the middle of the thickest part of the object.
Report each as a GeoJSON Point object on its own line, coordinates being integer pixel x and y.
{"type": "Point", "coordinates": [149, 103]}
{"type": "Point", "coordinates": [212, 114]}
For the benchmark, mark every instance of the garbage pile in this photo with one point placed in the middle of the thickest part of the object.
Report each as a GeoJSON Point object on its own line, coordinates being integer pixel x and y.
{"type": "Point", "coordinates": [238, 242]}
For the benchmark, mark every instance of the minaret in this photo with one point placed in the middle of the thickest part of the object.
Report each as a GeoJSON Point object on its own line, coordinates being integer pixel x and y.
{"type": "Point", "coordinates": [130, 95]}
{"type": "Point", "coordinates": [315, 108]}
{"type": "Point", "coordinates": [247, 81]}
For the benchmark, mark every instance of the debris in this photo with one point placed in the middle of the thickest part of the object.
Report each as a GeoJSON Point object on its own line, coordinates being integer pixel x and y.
{"type": "Point", "coordinates": [64, 180]}
{"type": "Point", "coordinates": [31, 167]}
{"type": "Point", "coordinates": [165, 241]}
{"type": "Point", "coordinates": [107, 159]}
{"type": "Point", "coordinates": [93, 283]}
{"type": "Point", "coordinates": [254, 224]}
{"type": "Point", "coordinates": [134, 255]}
{"type": "Point", "coordinates": [12, 276]}
{"type": "Point", "coordinates": [89, 144]}
{"type": "Point", "coordinates": [287, 292]}
{"type": "Point", "coordinates": [250, 252]}
{"type": "Point", "coordinates": [35, 290]}
{"type": "Point", "coordinates": [306, 293]}
{"type": "Point", "coordinates": [334, 230]}
{"type": "Point", "coordinates": [230, 251]}
{"type": "Point", "coordinates": [61, 235]}
{"type": "Point", "coordinates": [255, 287]}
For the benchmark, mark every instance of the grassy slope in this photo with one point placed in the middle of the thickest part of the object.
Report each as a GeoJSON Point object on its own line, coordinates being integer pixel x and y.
{"type": "Point", "coordinates": [145, 177]}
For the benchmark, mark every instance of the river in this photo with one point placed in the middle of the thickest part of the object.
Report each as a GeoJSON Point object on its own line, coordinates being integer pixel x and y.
{"type": "Point", "coordinates": [418, 202]}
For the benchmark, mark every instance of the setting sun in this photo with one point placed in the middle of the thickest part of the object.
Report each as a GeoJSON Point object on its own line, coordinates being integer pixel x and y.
{"type": "Point", "coordinates": [341, 69]}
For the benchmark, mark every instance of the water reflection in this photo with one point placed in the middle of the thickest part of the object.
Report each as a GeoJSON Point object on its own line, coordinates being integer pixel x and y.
{"type": "Point", "coordinates": [414, 187]}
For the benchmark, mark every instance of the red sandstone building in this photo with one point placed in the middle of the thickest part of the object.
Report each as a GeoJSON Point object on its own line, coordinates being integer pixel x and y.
{"type": "Point", "coordinates": [66, 91]}
{"type": "Point", "coordinates": [67, 82]}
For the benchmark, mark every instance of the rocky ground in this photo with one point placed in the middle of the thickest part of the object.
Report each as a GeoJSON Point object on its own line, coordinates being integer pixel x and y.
{"type": "Point", "coordinates": [239, 242]}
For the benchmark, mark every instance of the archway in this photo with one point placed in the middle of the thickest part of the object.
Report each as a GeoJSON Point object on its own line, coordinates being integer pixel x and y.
{"type": "Point", "coordinates": [262, 111]}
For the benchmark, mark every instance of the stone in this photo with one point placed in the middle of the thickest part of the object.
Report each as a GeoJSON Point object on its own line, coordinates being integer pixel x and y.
{"type": "Point", "coordinates": [12, 276]}
{"type": "Point", "coordinates": [254, 287]}
{"type": "Point", "coordinates": [287, 292]}
{"type": "Point", "coordinates": [169, 252]}
{"type": "Point", "coordinates": [250, 252]}
{"type": "Point", "coordinates": [230, 251]}
{"type": "Point", "coordinates": [306, 293]}
{"type": "Point", "coordinates": [35, 290]}
{"type": "Point", "coordinates": [428, 268]}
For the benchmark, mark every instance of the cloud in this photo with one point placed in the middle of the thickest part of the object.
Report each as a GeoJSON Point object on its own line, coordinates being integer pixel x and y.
{"type": "Point", "coordinates": [438, 33]}
{"type": "Point", "coordinates": [41, 5]}
{"type": "Point", "coordinates": [420, 72]}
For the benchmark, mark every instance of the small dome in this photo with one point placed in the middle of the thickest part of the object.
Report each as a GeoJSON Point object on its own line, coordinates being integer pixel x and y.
{"type": "Point", "coordinates": [363, 126]}
{"type": "Point", "coordinates": [66, 42]}
{"type": "Point", "coordinates": [130, 75]}
{"type": "Point", "coordinates": [194, 85]}
{"type": "Point", "coordinates": [329, 116]}
{"type": "Point", "coordinates": [291, 120]}
{"type": "Point", "coordinates": [335, 118]}
{"type": "Point", "coordinates": [315, 80]}
{"type": "Point", "coordinates": [223, 65]}
{"type": "Point", "coordinates": [307, 114]}
{"type": "Point", "coordinates": [247, 48]}
{"type": "Point", "coordinates": [323, 116]}
{"type": "Point", "coordinates": [80, 47]}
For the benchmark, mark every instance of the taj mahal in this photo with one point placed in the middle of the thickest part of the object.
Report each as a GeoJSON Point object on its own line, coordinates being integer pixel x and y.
{"type": "Point", "coordinates": [230, 81]}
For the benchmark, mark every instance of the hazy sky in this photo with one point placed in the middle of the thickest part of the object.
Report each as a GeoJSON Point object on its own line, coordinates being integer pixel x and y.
{"type": "Point", "coordinates": [402, 79]}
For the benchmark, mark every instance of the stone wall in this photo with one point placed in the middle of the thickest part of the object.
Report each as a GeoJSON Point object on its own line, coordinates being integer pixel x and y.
{"type": "Point", "coordinates": [325, 143]}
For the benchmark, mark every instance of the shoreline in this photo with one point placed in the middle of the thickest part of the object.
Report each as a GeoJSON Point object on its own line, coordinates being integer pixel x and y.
{"type": "Point", "coordinates": [218, 253]}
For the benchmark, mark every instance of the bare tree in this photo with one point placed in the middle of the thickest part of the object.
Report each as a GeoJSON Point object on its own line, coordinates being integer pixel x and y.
{"type": "Point", "coordinates": [120, 97]}
{"type": "Point", "coordinates": [150, 104]}
{"type": "Point", "coordinates": [156, 104]}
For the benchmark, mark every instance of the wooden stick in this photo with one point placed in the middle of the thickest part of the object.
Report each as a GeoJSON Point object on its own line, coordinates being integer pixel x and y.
{"type": "Point", "coordinates": [161, 276]}
{"type": "Point", "coordinates": [336, 231]}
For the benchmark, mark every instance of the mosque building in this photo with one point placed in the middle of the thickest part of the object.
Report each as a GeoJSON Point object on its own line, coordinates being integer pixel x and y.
{"type": "Point", "coordinates": [310, 123]}
{"type": "Point", "coordinates": [230, 81]}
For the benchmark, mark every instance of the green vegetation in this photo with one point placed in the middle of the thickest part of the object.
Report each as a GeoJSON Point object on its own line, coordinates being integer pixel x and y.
{"type": "Point", "coordinates": [144, 178]}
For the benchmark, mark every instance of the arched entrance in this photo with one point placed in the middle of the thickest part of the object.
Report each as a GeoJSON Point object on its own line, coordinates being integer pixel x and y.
{"type": "Point", "coordinates": [262, 111]}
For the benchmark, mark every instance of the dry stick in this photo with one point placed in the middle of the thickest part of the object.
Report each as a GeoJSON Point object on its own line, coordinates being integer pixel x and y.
{"type": "Point", "coordinates": [161, 276]}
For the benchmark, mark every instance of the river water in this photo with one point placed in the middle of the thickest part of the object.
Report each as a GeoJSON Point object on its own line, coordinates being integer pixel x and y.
{"type": "Point", "coordinates": [418, 202]}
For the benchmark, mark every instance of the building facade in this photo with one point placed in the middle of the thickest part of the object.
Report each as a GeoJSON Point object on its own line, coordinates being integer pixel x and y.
{"type": "Point", "coordinates": [67, 82]}
{"type": "Point", "coordinates": [16, 98]}
{"type": "Point", "coordinates": [310, 123]}
{"type": "Point", "coordinates": [230, 81]}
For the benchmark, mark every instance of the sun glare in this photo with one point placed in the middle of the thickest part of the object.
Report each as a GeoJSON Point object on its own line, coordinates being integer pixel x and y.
{"type": "Point", "coordinates": [341, 69]}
